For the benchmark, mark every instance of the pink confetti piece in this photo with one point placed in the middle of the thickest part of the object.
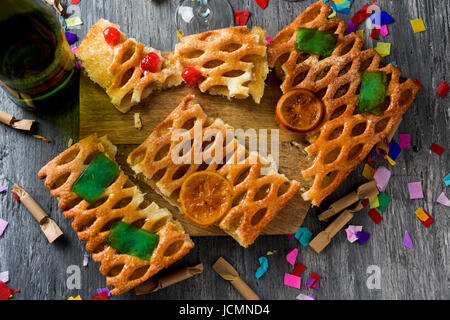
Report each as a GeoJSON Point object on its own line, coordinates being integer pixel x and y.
{"type": "Point", "coordinates": [404, 140]}
{"type": "Point", "coordinates": [4, 276]}
{"type": "Point", "coordinates": [415, 190]}
{"type": "Point", "coordinates": [292, 281]}
{"type": "Point", "coordinates": [381, 177]}
{"type": "Point", "coordinates": [407, 242]}
{"type": "Point", "coordinates": [268, 40]}
{"type": "Point", "coordinates": [291, 257]}
{"type": "Point", "coordinates": [302, 296]}
{"type": "Point", "coordinates": [384, 30]}
{"type": "Point", "coordinates": [3, 189]}
{"type": "Point", "coordinates": [291, 236]}
{"type": "Point", "coordinates": [3, 225]}
{"type": "Point", "coordinates": [100, 290]}
{"type": "Point", "coordinates": [74, 50]}
{"type": "Point", "coordinates": [442, 199]}
{"type": "Point", "coordinates": [351, 233]}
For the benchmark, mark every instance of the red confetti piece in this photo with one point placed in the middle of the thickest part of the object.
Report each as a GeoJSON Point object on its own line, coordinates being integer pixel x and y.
{"type": "Point", "coordinates": [361, 15]}
{"type": "Point", "coordinates": [375, 33]}
{"type": "Point", "coordinates": [100, 296]}
{"type": "Point", "coordinates": [437, 149]}
{"type": "Point", "coordinates": [417, 81]}
{"type": "Point", "coordinates": [262, 3]}
{"type": "Point", "coordinates": [365, 202]}
{"type": "Point", "coordinates": [16, 196]}
{"type": "Point", "coordinates": [443, 88]}
{"type": "Point", "coordinates": [241, 17]}
{"type": "Point", "coordinates": [299, 268]}
{"type": "Point", "coordinates": [429, 221]}
{"type": "Point", "coordinates": [75, 1]}
{"type": "Point", "coordinates": [372, 162]}
{"type": "Point", "coordinates": [316, 278]}
{"type": "Point", "coordinates": [375, 216]}
{"type": "Point", "coordinates": [6, 291]}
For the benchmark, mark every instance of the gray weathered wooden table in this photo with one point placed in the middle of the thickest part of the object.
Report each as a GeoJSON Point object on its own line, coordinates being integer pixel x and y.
{"type": "Point", "coordinates": [39, 268]}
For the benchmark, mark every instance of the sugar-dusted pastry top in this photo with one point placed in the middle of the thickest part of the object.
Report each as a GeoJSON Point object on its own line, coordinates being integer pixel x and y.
{"type": "Point", "coordinates": [118, 68]}
{"type": "Point", "coordinates": [257, 198]}
{"type": "Point", "coordinates": [233, 61]}
{"type": "Point", "coordinates": [346, 135]}
{"type": "Point", "coordinates": [120, 201]}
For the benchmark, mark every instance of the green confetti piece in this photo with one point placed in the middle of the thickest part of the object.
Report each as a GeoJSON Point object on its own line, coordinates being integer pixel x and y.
{"type": "Point", "coordinates": [373, 91]}
{"type": "Point", "coordinates": [384, 201]}
{"type": "Point", "coordinates": [321, 43]}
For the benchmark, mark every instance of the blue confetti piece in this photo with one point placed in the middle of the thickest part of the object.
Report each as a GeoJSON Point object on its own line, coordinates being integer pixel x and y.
{"type": "Point", "coordinates": [71, 37]}
{"type": "Point", "coordinates": [381, 18]}
{"type": "Point", "coordinates": [303, 235]}
{"type": "Point", "coordinates": [264, 265]}
{"type": "Point", "coordinates": [362, 236]}
{"type": "Point", "coordinates": [343, 5]}
{"type": "Point", "coordinates": [447, 180]}
{"type": "Point", "coordinates": [394, 150]}
{"type": "Point", "coordinates": [394, 63]}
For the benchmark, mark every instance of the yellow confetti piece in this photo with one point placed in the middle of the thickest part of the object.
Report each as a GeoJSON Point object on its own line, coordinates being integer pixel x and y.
{"type": "Point", "coordinates": [73, 21]}
{"type": "Point", "coordinates": [360, 33]}
{"type": "Point", "coordinates": [373, 201]}
{"type": "Point", "coordinates": [332, 15]}
{"type": "Point", "coordinates": [368, 172]}
{"type": "Point", "coordinates": [78, 297]}
{"type": "Point", "coordinates": [389, 159]}
{"type": "Point", "coordinates": [421, 214]}
{"type": "Point", "coordinates": [418, 25]}
{"type": "Point", "coordinates": [69, 144]}
{"type": "Point", "coordinates": [180, 34]}
{"type": "Point", "coordinates": [383, 48]}
{"type": "Point", "coordinates": [269, 253]}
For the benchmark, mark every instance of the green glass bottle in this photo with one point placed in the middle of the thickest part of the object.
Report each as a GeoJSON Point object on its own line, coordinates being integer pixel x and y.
{"type": "Point", "coordinates": [36, 62]}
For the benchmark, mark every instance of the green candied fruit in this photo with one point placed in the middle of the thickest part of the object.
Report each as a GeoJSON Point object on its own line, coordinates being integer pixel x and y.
{"type": "Point", "coordinates": [98, 176]}
{"type": "Point", "coordinates": [373, 91]}
{"type": "Point", "coordinates": [128, 239]}
{"type": "Point", "coordinates": [321, 43]}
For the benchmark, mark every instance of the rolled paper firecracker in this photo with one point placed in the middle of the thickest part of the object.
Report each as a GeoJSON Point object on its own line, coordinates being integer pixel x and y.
{"type": "Point", "coordinates": [226, 271]}
{"type": "Point", "coordinates": [157, 283]}
{"type": "Point", "coordinates": [366, 190]}
{"type": "Point", "coordinates": [20, 124]}
{"type": "Point", "coordinates": [324, 238]}
{"type": "Point", "coordinates": [48, 226]}
{"type": "Point", "coordinates": [58, 7]}
{"type": "Point", "coordinates": [382, 147]}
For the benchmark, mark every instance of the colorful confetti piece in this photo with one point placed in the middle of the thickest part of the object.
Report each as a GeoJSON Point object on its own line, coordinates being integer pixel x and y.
{"type": "Point", "coordinates": [360, 33]}
{"type": "Point", "coordinates": [3, 188]}
{"type": "Point", "coordinates": [415, 190]}
{"type": "Point", "coordinates": [100, 290]}
{"type": "Point", "coordinates": [442, 89]}
{"type": "Point", "coordinates": [381, 177]}
{"type": "Point", "coordinates": [302, 296]}
{"type": "Point", "coordinates": [4, 276]}
{"type": "Point", "coordinates": [299, 268]}
{"type": "Point", "coordinates": [407, 242]}
{"type": "Point", "coordinates": [363, 237]}
{"type": "Point", "coordinates": [262, 3]}
{"type": "Point", "coordinates": [375, 216]}
{"type": "Point", "coordinates": [264, 265]}
{"type": "Point", "coordinates": [351, 233]}
{"type": "Point", "coordinates": [442, 199]}
{"type": "Point", "coordinates": [313, 281]}
{"type": "Point", "coordinates": [384, 30]}
{"type": "Point", "coordinates": [368, 172]}
{"type": "Point", "coordinates": [383, 48]}
{"type": "Point", "coordinates": [375, 34]}
{"type": "Point", "coordinates": [342, 6]}
{"type": "Point", "coordinates": [447, 180]}
{"type": "Point", "coordinates": [437, 149]}
{"type": "Point", "coordinates": [381, 18]}
{"type": "Point", "coordinates": [100, 296]}
{"type": "Point", "coordinates": [78, 297]}
{"type": "Point", "coordinates": [404, 140]}
{"type": "Point", "coordinates": [418, 25]}
{"type": "Point", "coordinates": [85, 259]}
{"type": "Point", "coordinates": [291, 257]}
{"type": "Point", "coordinates": [241, 17]}
{"type": "Point", "coordinates": [389, 159]}
{"type": "Point", "coordinates": [73, 21]}
{"type": "Point", "coordinates": [292, 281]}
{"type": "Point", "coordinates": [424, 217]}
{"type": "Point", "coordinates": [384, 201]}
{"type": "Point", "coordinates": [3, 225]}
{"type": "Point", "coordinates": [71, 37]}
{"type": "Point", "coordinates": [303, 235]}
{"type": "Point", "coordinates": [394, 150]}
{"type": "Point", "coordinates": [361, 15]}
{"type": "Point", "coordinates": [373, 201]}
{"type": "Point", "coordinates": [180, 34]}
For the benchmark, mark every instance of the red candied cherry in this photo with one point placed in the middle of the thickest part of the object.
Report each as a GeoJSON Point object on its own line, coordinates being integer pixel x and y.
{"type": "Point", "coordinates": [151, 62]}
{"type": "Point", "coordinates": [191, 76]}
{"type": "Point", "coordinates": [112, 36]}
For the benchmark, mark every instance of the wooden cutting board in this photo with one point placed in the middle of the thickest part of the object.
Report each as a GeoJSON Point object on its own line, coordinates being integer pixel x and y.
{"type": "Point", "coordinates": [98, 115]}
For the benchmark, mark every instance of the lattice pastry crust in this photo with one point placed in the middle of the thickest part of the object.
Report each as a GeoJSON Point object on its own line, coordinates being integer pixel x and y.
{"type": "Point", "coordinates": [345, 137]}
{"type": "Point", "coordinates": [117, 69]}
{"type": "Point", "coordinates": [121, 201]}
{"type": "Point", "coordinates": [257, 198]}
{"type": "Point", "coordinates": [233, 61]}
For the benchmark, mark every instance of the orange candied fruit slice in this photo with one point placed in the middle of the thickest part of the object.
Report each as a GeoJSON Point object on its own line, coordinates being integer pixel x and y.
{"type": "Point", "coordinates": [205, 197]}
{"type": "Point", "coordinates": [300, 110]}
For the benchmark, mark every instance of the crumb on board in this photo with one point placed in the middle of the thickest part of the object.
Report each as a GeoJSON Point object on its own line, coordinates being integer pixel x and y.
{"type": "Point", "coordinates": [137, 121]}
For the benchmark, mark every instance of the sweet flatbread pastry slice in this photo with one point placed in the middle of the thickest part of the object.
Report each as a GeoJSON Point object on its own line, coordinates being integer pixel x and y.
{"type": "Point", "coordinates": [119, 201]}
{"type": "Point", "coordinates": [233, 61]}
{"type": "Point", "coordinates": [257, 197]}
{"type": "Point", "coordinates": [118, 68]}
{"type": "Point", "coordinates": [345, 136]}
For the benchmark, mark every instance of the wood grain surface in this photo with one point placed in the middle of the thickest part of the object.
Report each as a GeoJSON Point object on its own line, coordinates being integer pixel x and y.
{"type": "Point", "coordinates": [98, 115]}
{"type": "Point", "coordinates": [39, 269]}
